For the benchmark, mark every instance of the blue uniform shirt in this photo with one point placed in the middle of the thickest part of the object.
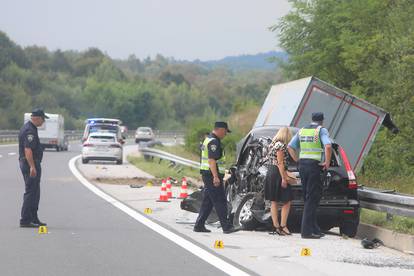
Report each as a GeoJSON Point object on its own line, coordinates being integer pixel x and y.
{"type": "Point", "coordinates": [28, 138]}
{"type": "Point", "coordinates": [324, 135]}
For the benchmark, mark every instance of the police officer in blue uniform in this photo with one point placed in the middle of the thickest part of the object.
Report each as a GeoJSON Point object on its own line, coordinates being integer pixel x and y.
{"type": "Point", "coordinates": [212, 173]}
{"type": "Point", "coordinates": [30, 157]}
{"type": "Point", "coordinates": [314, 147]}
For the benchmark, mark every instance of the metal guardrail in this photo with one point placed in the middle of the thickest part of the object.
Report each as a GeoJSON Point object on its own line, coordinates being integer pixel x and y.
{"type": "Point", "coordinates": [168, 156]}
{"type": "Point", "coordinates": [10, 136]}
{"type": "Point", "coordinates": [387, 201]}
{"type": "Point", "coordinates": [373, 199]}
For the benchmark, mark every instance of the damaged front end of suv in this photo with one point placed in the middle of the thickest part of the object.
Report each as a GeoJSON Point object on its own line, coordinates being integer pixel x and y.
{"type": "Point", "coordinates": [247, 207]}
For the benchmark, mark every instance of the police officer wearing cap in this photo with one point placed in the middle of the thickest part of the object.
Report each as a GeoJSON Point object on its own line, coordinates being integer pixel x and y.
{"type": "Point", "coordinates": [30, 157]}
{"type": "Point", "coordinates": [314, 147]}
{"type": "Point", "coordinates": [212, 173]}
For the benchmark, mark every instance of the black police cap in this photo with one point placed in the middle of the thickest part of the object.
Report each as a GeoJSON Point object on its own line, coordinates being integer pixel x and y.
{"type": "Point", "coordinates": [317, 116]}
{"type": "Point", "coordinates": [38, 112]}
{"type": "Point", "coordinates": [222, 125]}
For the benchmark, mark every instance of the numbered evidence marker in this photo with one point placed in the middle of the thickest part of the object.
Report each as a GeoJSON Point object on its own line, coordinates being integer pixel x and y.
{"type": "Point", "coordinates": [149, 184]}
{"type": "Point", "coordinates": [148, 211]}
{"type": "Point", "coordinates": [305, 252]}
{"type": "Point", "coordinates": [218, 244]}
{"type": "Point", "coordinates": [43, 230]}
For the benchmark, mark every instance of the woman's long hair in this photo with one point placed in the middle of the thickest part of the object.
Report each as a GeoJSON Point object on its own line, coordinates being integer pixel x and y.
{"type": "Point", "coordinates": [284, 135]}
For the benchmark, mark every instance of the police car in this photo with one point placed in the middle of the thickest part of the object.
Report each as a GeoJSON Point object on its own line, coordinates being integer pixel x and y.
{"type": "Point", "coordinates": [94, 125]}
{"type": "Point", "coordinates": [102, 146]}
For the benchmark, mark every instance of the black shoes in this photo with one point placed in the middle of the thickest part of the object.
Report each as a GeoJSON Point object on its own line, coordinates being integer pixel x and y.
{"type": "Point", "coordinates": [231, 230]}
{"type": "Point", "coordinates": [201, 229]}
{"type": "Point", "coordinates": [29, 225]}
{"type": "Point", "coordinates": [277, 230]}
{"type": "Point", "coordinates": [311, 236]}
{"type": "Point", "coordinates": [33, 224]}
{"type": "Point", "coordinates": [41, 223]}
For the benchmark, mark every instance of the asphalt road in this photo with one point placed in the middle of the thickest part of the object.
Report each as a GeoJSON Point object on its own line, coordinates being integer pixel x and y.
{"type": "Point", "coordinates": [87, 235]}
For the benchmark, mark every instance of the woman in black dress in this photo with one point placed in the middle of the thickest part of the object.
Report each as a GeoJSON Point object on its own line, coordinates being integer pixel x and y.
{"type": "Point", "coordinates": [277, 186]}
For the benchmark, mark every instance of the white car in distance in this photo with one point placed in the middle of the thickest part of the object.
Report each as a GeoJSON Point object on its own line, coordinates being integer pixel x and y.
{"type": "Point", "coordinates": [102, 146]}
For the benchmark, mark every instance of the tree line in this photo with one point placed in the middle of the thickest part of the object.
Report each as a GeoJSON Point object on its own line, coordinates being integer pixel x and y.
{"type": "Point", "coordinates": [158, 92]}
{"type": "Point", "coordinates": [366, 48]}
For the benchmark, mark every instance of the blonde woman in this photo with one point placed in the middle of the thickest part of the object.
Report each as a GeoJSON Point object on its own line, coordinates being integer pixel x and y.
{"type": "Point", "coordinates": [277, 186]}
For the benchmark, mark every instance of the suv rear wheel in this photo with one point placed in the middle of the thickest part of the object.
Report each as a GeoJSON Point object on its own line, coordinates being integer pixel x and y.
{"type": "Point", "coordinates": [349, 228]}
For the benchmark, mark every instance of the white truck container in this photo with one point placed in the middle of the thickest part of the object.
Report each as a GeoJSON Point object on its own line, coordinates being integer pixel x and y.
{"type": "Point", "coordinates": [352, 122]}
{"type": "Point", "coordinates": [52, 132]}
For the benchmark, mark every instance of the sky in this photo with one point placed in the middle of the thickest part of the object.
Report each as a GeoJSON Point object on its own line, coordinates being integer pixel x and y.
{"type": "Point", "coordinates": [182, 29]}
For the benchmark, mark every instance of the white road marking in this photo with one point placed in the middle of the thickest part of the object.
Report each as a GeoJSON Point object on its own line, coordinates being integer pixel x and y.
{"type": "Point", "coordinates": [1, 156]}
{"type": "Point", "coordinates": [180, 241]}
{"type": "Point", "coordinates": [8, 145]}
{"type": "Point", "coordinates": [11, 153]}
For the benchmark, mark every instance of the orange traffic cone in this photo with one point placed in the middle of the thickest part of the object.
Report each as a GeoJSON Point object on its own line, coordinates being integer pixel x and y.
{"type": "Point", "coordinates": [163, 195]}
{"type": "Point", "coordinates": [183, 192]}
{"type": "Point", "coordinates": [169, 191]}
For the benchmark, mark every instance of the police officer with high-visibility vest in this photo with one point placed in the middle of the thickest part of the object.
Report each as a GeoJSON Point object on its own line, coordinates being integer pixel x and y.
{"type": "Point", "coordinates": [212, 172]}
{"type": "Point", "coordinates": [314, 147]}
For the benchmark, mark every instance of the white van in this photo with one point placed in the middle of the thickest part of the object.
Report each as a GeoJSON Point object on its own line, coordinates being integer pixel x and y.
{"type": "Point", "coordinates": [52, 132]}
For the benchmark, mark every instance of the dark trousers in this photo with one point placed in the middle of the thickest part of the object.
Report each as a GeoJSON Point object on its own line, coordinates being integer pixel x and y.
{"type": "Point", "coordinates": [213, 196]}
{"type": "Point", "coordinates": [310, 174]}
{"type": "Point", "coordinates": [32, 192]}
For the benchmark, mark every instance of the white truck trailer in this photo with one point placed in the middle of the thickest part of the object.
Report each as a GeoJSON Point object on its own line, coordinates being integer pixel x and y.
{"type": "Point", "coordinates": [52, 132]}
{"type": "Point", "coordinates": [352, 122]}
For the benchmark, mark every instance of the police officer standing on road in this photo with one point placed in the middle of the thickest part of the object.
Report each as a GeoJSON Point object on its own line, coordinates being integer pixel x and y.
{"type": "Point", "coordinates": [212, 173]}
{"type": "Point", "coordinates": [314, 146]}
{"type": "Point", "coordinates": [30, 157]}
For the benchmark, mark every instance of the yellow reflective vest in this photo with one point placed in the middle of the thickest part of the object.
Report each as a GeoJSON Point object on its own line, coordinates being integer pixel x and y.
{"type": "Point", "coordinates": [204, 166]}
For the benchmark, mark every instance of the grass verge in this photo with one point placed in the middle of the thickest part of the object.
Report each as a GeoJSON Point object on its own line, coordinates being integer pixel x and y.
{"type": "Point", "coordinates": [163, 168]}
{"type": "Point", "coordinates": [396, 223]}
{"type": "Point", "coordinates": [180, 151]}
{"type": "Point", "coordinates": [401, 185]}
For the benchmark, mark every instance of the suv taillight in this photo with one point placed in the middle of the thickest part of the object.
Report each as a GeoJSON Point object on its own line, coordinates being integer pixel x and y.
{"type": "Point", "coordinates": [88, 145]}
{"type": "Point", "coordinates": [352, 183]}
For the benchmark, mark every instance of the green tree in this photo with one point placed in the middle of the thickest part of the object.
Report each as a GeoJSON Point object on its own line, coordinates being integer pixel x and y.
{"type": "Point", "coordinates": [364, 47]}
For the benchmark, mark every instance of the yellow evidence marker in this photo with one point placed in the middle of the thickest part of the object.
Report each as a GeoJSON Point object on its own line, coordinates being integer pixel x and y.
{"type": "Point", "coordinates": [305, 252]}
{"type": "Point", "coordinates": [218, 244]}
{"type": "Point", "coordinates": [43, 230]}
{"type": "Point", "coordinates": [149, 184]}
{"type": "Point", "coordinates": [148, 211]}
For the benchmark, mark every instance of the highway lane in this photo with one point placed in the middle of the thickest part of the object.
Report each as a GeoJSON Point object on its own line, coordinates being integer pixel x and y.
{"type": "Point", "coordinates": [87, 236]}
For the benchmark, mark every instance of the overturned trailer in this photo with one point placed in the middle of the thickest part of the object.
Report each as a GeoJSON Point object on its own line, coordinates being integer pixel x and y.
{"type": "Point", "coordinates": [352, 122]}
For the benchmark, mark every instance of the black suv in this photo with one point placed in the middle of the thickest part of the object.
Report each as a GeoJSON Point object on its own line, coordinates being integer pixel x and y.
{"type": "Point", "coordinates": [339, 206]}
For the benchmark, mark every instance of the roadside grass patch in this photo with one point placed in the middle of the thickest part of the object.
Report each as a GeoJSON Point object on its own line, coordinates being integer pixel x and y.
{"type": "Point", "coordinates": [163, 169]}
{"type": "Point", "coordinates": [396, 223]}
{"type": "Point", "coordinates": [403, 185]}
{"type": "Point", "coordinates": [179, 150]}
